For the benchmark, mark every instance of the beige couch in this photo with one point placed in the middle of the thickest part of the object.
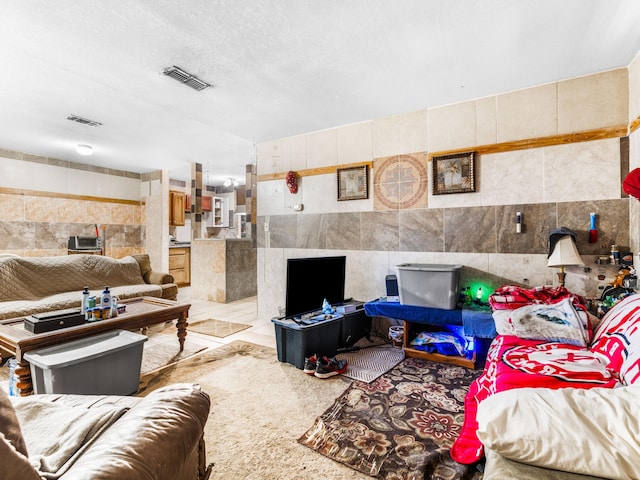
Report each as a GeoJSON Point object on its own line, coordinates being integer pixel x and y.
{"type": "Point", "coordinates": [82, 437]}
{"type": "Point", "coordinates": [39, 284]}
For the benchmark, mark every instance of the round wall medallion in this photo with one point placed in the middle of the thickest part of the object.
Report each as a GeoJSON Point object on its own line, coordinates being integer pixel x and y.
{"type": "Point", "coordinates": [401, 181]}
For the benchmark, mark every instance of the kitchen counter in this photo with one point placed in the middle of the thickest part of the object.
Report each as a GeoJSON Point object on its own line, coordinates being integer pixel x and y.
{"type": "Point", "coordinates": [224, 269]}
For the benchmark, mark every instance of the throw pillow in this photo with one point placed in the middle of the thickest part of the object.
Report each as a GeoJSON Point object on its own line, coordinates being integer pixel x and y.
{"type": "Point", "coordinates": [587, 431]}
{"type": "Point", "coordinates": [9, 424]}
{"type": "Point", "coordinates": [558, 322]}
{"type": "Point", "coordinates": [15, 466]}
{"type": "Point", "coordinates": [502, 319]}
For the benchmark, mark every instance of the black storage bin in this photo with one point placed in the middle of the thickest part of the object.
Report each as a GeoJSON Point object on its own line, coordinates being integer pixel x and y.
{"type": "Point", "coordinates": [295, 342]}
{"type": "Point", "coordinates": [353, 327]}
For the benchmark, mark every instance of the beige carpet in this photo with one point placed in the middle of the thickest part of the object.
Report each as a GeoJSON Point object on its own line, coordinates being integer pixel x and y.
{"type": "Point", "coordinates": [216, 328]}
{"type": "Point", "coordinates": [259, 408]}
{"type": "Point", "coordinates": [162, 349]}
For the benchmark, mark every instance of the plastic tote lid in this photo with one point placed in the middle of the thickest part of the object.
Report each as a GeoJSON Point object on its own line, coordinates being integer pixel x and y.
{"type": "Point", "coordinates": [429, 267]}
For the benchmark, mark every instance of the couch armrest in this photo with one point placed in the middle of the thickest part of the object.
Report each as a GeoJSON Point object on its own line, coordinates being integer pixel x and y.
{"type": "Point", "coordinates": [159, 438]}
{"type": "Point", "coordinates": [148, 275]}
{"type": "Point", "coordinates": [158, 278]}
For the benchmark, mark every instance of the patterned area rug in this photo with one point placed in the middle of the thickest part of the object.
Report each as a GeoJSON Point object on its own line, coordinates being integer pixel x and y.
{"type": "Point", "coordinates": [401, 426]}
{"type": "Point", "coordinates": [217, 328]}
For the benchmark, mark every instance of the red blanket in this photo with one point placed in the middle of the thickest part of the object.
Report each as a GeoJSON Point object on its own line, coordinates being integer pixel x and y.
{"type": "Point", "coordinates": [514, 362]}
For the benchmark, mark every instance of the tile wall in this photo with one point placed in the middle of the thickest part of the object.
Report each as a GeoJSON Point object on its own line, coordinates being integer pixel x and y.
{"type": "Point", "coordinates": [551, 186]}
{"type": "Point", "coordinates": [38, 214]}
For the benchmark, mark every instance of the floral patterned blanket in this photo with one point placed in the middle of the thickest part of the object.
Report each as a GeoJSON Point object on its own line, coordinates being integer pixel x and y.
{"type": "Point", "coordinates": [401, 426]}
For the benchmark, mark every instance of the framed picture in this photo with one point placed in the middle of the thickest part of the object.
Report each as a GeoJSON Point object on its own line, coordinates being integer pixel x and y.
{"type": "Point", "coordinates": [453, 173]}
{"type": "Point", "coordinates": [353, 183]}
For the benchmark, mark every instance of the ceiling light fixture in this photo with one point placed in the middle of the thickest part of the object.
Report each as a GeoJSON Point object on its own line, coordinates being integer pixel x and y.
{"type": "Point", "coordinates": [229, 181]}
{"type": "Point", "coordinates": [184, 77]}
{"type": "Point", "coordinates": [83, 149]}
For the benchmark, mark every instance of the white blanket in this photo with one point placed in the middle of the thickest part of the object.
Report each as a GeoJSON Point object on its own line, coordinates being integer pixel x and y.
{"type": "Point", "coordinates": [56, 435]}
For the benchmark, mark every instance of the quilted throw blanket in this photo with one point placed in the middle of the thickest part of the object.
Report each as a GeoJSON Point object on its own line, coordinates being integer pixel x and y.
{"type": "Point", "coordinates": [33, 278]}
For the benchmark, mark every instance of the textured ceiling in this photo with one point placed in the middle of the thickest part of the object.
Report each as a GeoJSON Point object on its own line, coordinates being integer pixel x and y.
{"type": "Point", "coordinates": [279, 68]}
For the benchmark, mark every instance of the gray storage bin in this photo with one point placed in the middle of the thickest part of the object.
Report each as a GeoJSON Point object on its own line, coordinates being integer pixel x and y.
{"type": "Point", "coordinates": [429, 285]}
{"type": "Point", "coordinates": [105, 364]}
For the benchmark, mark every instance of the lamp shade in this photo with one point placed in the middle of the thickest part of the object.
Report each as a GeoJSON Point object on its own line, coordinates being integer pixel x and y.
{"type": "Point", "coordinates": [564, 253]}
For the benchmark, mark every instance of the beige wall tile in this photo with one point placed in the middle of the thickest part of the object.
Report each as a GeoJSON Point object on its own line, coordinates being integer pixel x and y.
{"type": "Point", "coordinates": [486, 126]}
{"type": "Point", "coordinates": [452, 126]}
{"type": "Point", "coordinates": [40, 209]}
{"type": "Point", "coordinates": [12, 207]}
{"type": "Point", "coordinates": [122, 213]}
{"type": "Point", "coordinates": [71, 211]}
{"type": "Point", "coordinates": [582, 171]}
{"type": "Point", "coordinates": [511, 177]}
{"type": "Point", "coordinates": [398, 134]}
{"type": "Point", "coordinates": [322, 148]}
{"type": "Point", "coordinates": [269, 157]}
{"type": "Point", "coordinates": [634, 88]}
{"type": "Point", "coordinates": [138, 215]}
{"type": "Point", "coordinates": [271, 197]}
{"type": "Point", "coordinates": [294, 153]}
{"type": "Point", "coordinates": [528, 113]}
{"type": "Point", "coordinates": [98, 212]}
{"type": "Point", "coordinates": [355, 143]}
{"type": "Point", "coordinates": [594, 101]}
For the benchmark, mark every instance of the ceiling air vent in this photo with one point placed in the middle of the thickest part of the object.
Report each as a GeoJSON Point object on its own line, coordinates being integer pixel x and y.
{"type": "Point", "coordinates": [186, 78]}
{"type": "Point", "coordinates": [83, 121]}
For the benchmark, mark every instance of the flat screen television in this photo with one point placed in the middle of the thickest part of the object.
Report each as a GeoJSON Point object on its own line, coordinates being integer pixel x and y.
{"type": "Point", "coordinates": [311, 280]}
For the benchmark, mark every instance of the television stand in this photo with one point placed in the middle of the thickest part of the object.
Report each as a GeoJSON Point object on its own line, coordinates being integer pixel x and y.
{"type": "Point", "coordinates": [297, 341]}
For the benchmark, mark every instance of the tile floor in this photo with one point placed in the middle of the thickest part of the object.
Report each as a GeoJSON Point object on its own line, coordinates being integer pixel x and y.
{"type": "Point", "coordinates": [261, 332]}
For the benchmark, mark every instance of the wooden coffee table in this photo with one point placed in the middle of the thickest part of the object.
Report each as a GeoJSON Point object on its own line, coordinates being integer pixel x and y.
{"type": "Point", "coordinates": [140, 313]}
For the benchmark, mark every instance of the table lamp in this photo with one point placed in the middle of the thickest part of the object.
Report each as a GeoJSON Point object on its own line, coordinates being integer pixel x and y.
{"type": "Point", "coordinates": [563, 251]}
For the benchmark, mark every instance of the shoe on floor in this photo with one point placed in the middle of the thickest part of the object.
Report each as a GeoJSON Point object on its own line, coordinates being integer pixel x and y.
{"type": "Point", "coordinates": [328, 367]}
{"type": "Point", "coordinates": [310, 365]}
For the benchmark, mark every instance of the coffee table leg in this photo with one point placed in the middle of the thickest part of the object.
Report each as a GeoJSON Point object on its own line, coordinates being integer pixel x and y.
{"type": "Point", "coordinates": [23, 381]}
{"type": "Point", "coordinates": [182, 325]}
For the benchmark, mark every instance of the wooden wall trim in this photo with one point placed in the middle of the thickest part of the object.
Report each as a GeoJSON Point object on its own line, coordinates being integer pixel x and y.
{"type": "Point", "coordinates": [634, 124]}
{"type": "Point", "coordinates": [37, 193]}
{"type": "Point", "coordinates": [567, 138]}
{"type": "Point", "coordinates": [577, 137]}
{"type": "Point", "coordinates": [311, 171]}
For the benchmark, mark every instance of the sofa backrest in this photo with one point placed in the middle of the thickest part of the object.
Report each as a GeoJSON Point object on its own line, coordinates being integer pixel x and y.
{"type": "Point", "coordinates": [32, 278]}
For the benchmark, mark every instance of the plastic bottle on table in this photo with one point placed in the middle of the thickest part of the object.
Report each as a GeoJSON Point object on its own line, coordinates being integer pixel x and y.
{"type": "Point", "coordinates": [85, 301]}
{"type": "Point", "coordinates": [105, 299]}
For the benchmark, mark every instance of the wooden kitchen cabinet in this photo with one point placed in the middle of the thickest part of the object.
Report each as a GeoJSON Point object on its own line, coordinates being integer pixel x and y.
{"type": "Point", "coordinates": [207, 203]}
{"type": "Point", "coordinates": [180, 265]}
{"type": "Point", "coordinates": [176, 208]}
